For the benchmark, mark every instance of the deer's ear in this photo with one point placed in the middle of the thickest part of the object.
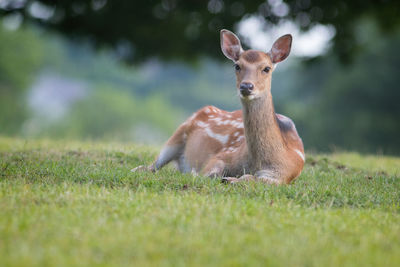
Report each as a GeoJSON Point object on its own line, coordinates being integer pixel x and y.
{"type": "Point", "coordinates": [281, 48]}
{"type": "Point", "coordinates": [230, 45]}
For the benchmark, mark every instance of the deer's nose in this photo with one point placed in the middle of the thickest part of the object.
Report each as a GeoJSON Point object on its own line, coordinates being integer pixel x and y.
{"type": "Point", "coordinates": [246, 88]}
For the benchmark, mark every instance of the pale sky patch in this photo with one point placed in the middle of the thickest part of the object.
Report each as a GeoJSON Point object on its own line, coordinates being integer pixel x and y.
{"type": "Point", "coordinates": [314, 42]}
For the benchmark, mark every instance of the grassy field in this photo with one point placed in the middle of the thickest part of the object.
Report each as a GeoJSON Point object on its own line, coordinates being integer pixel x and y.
{"type": "Point", "coordinates": [78, 204]}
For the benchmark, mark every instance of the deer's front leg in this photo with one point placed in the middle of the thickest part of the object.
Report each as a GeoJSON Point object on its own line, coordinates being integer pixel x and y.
{"type": "Point", "coordinates": [143, 168]}
{"type": "Point", "coordinates": [269, 177]}
{"type": "Point", "coordinates": [214, 168]}
{"type": "Point", "coordinates": [265, 176]}
{"type": "Point", "coordinates": [243, 178]}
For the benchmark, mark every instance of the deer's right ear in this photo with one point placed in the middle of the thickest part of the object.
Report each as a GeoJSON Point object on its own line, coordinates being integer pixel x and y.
{"type": "Point", "coordinates": [230, 45]}
{"type": "Point", "coordinates": [281, 48]}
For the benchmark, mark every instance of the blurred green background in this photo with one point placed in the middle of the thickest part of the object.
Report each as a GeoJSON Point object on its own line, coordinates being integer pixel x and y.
{"type": "Point", "coordinates": [134, 70]}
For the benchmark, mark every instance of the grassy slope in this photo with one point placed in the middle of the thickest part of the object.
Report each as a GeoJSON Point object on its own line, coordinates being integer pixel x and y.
{"type": "Point", "coordinates": [65, 203]}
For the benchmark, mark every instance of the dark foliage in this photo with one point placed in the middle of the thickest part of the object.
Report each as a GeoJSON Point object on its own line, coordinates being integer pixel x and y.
{"type": "Point", "coordinates": [187, 29]}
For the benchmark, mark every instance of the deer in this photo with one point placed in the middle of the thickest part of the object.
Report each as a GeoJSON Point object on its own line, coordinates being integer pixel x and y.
{"type": "Point", "coordinates": [251, 144]}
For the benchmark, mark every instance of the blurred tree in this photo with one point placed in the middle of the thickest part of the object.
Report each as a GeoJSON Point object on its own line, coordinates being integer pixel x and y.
{"type": "Point", "coordinates": [20, 57]}
{"type": "Point", "coordinates": [353, 107]}
{"type": "Point", "coordinates": [186, 29]}
{"type": "Point", "coordinates": [111, 113]}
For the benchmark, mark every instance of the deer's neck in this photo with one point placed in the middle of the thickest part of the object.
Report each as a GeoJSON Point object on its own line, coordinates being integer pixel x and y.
{"type": "Point", "coordinates": [263, 136]}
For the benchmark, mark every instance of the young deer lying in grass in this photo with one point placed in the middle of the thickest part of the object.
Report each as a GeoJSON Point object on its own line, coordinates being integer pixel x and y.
{"type": "Point", "coordinates": [254, 143]}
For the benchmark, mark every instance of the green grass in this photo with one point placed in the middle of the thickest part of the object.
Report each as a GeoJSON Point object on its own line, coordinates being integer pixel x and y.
{"type": "Point", "coordinates": [78, 204]}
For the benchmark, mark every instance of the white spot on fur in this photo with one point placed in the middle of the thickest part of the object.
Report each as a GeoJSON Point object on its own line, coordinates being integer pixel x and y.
{"type": "Point", "coordinates": [230, 122]}
{"type": "Point", "coordinates": [207, 110]}
{"type": "Point", "coordinates": [237, 124]}
{"type": "Point", "coordinates": [236, 133]}
{"type": "Point", "coordinates": [202, 124]}
{"type": "Point", "coordinates": [222, 138]}
{"type": "Point", "coordinates": [220, 121]}
{"type": "Point", "coordinates": [239, 138]}
{"type": "Point", "coordinates": [302, 156]}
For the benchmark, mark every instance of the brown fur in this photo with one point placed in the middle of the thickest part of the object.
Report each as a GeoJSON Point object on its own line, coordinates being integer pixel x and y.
{"type": "Point", "coordinates": [251, 56]}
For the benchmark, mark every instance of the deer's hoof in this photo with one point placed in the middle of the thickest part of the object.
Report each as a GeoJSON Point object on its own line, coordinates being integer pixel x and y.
{"type": "Point", "coordinates": [229, 180]}
{"type": "Point", "coordinates": [140, 168]}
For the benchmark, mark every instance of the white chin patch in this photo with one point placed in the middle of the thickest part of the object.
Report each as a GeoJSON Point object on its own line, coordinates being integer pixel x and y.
{"type": "Point", "coordinates": [249, 97]}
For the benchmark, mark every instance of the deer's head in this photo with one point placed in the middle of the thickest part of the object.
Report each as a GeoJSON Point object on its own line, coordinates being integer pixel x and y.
{"type": "Point", "coordinates": [254, 68]}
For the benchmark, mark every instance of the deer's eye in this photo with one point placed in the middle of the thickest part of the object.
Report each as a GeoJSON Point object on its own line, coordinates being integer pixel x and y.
{"type": "Point", "coordinates": [266, 69]}
{"type": "Point", "coordinates": [237, 67]}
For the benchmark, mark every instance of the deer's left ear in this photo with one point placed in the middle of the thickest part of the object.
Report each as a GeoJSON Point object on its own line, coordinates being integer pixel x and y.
{"type": "Point", "coordinates": [230, 45]}
{"type": "Point", "coordinates": [281, 48]}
